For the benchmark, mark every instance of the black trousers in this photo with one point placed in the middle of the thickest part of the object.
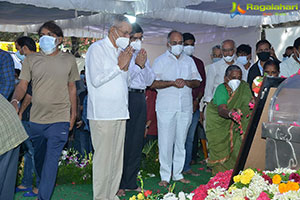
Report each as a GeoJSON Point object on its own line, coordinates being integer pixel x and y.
{"type": "Point", "coordinates": [134, 137]}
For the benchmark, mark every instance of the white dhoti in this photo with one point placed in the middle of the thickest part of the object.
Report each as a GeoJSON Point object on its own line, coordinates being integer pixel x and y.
{"type": "Point", "coordinates": [172, 133]}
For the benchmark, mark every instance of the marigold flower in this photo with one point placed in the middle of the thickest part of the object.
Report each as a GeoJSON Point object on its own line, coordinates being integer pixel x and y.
{"type": "Point", "coordinates": [140, 196]}
{"type": "Point", "coordinates": [132, 198]}
{"type": "Point", "coordinates": [237, 178]}
{"type": "Point", "coordinates": [276, 179]}
{"type": "Point", "coordinates": [282, 188]}
{"type": "Point", "coordinates": [292, 186]}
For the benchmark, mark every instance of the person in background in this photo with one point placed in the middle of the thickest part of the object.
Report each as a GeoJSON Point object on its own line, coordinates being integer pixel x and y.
{"type": "Point", "coordinates": [263, 52]}
{"type": "Point", "coordinates": [7, 74]}
{"type": "Point", "coordinates": [151, 124]}
{"type": "Point", "coordinates": [244, 57]}
{"type": "Point", "coordinates": [141, 76]}
{"type": "Point", "coordinates": [26, 46]}
{"type": "Point", "coordinates": [227, 120]}
{"type": "Point", "coordinates": [176, 75]}
{"type": "Point", "coordinates": [17, 74]}
{"type": "Point", "coordinates": [288, 52]}
{"type": "Point", "coordinates": [271, 68]}
{"type": "Point", "coordinates": [53, 110]}
{"type": "Point", "coordinates": [216, 53]}
{"type": "Point", "coordinates": [12, 134]}
{"type": "Point", "coordinates": [189, 44]}
{"type": "Point", "coordinates": [292, 64]}
{"type": "Point", "coordinates": [106, 72]}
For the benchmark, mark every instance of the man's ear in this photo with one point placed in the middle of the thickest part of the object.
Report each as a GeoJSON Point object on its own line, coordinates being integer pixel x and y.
{"type": "Point", "coordinates": [60, 40]}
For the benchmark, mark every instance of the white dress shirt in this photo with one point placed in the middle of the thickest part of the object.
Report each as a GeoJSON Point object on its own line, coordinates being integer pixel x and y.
{"type": "Point", "coordinates": [168, 68]}
{"type": "Point", "coordinates": [106, 83]}
{"type": "Point", "coordinates": [215, 73]}
{"type": "Point", "coordinates": [140, 78]}
{"type": "Point", "coordinates": [289, 67]}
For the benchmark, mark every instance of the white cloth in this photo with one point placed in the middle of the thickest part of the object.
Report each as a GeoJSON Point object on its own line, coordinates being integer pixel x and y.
{"type": "Point", "coordinates": [107, 84]}
{"type": "Point", "coordinates": [140, 78]}
{"type": "Point", "coordinates": [172, 132]}
{"type": "Point", "coordinates": [289, 67]}
{"type": "Point", "coordinates": [215, 73]}
{"type": "Point", "coordinates": [168, 68]}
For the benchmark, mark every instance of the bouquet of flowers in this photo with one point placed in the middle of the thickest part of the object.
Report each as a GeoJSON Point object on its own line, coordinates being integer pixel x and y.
{"type": "Point", "coordinates": [251, 184]}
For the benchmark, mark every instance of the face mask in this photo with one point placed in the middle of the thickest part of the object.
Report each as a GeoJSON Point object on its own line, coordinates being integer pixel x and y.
{"type": "Point", "coordinates": [228, 58]}
{"type": "Point", "coordinates": [81, 76]}
{"type": "Point", "coordinates": [122, 42]}
{"type": "Point", "coordinates": [17, 81]}
{"type": "Point", "coordinates": [176, 49]}
{"type": "Point", "coordinates": [20, 56]}
{"type": "Point", "coordinates": [136, 45]}
{"type": "Point", "coordinates": [48, 44]}
{"type": "Point", "coordinates": [189, 50]}
{"type": "Point", "coordinates": [216, 59]}
{"type": "Point", "coordinates": [263, 56]}
{"type": "Point", "coordinates": [242, 59]}
{"type": "Point", "coordinates": [284, 58]}
{"type": "Point", "coordinates": [234, 84]}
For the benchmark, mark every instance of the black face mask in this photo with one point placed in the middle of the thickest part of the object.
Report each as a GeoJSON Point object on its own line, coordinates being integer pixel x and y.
{"type": "Point", "coordinates": [263, 56]}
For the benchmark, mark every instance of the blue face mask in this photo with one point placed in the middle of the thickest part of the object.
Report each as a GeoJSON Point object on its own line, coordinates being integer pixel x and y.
{"type": "Point", "coordinates": [81, 76]}
{"type": "Point", "coordinates": [47, 44]}
{"type": "Point", "coordinates": [20, 56]}
{"type": "Point", "coordinates": [216, 59]}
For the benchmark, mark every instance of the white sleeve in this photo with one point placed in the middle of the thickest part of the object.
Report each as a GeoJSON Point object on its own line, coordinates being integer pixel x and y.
{"type": "Point", "coordinates": [209, 87]}
{"type": "Point", "coordinates": [157, 69]}
{"type": "Point", "coordinates": [148, 74]}
{"type": "Point", "coordinates": [284, 69]}
{"type": "Point", "coordinates": [100, 68]}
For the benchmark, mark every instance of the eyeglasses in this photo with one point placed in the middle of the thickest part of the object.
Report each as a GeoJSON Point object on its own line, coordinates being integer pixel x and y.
{"type": "Point", "coordinates": [176, 43]}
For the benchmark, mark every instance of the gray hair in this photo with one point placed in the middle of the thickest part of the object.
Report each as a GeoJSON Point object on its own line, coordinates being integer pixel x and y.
{"type": "Point", "coordinates": [232, 68]}
{"type": "Point", "coordinates": [214, 48]}
{"type": "Point", "coordinates": [171, 32]}
{"type": "Point", "coordinates": [228, 41]}
{"type": "Point", "coordinates": [118, 19]}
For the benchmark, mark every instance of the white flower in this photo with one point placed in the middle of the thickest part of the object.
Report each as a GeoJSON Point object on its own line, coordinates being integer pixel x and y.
{"type": "Point", "coordinates": [181, 195]}
{"type": "Point", "coordinates": [170, 196]}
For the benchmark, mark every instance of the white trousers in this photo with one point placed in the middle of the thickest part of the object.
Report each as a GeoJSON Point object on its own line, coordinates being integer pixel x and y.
{"type": "Point", "coordinates": [172, 132]}
{"type": "Point", "coordinates": [108, 142]}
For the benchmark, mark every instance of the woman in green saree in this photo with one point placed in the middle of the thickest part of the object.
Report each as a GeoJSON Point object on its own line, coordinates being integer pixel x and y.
{"type": "Point", "coordinates": [227, 119]}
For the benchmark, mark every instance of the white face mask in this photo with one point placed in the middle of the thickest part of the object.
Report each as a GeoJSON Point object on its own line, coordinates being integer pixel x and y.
{"type": "Point", "coordinates": [176, 49]}
{"type": "Point", "coordinates": [122, 42]}
{"type": "Point", "coordinates": [228, 58]}
{"type": "Point", "coordinates": [234, 84]}
{"type": "Point", "coordinates": [242, 59]}
{"type": "Point", "coordinates": [216, 59]}
{"type": "Point", "coordinates": [298, 58]}
{"type": "Point", "coordinates": [136, 45]}
{"type": "Point", "coordinates": [189, 50]}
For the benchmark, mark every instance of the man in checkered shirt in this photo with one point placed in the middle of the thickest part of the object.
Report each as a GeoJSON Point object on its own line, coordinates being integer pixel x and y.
{"type": "Point", "coordinates": [7, 74]}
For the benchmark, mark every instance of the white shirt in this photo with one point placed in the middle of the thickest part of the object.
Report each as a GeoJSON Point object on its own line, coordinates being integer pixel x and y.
{"type": "Point", "coordinates": [289, 67]}
{"type": "Point", "coordinates": [168, 68]}
{"type": "Point", "coordinates": [106, 83]}
{"type": "Point", "coordinates": [140, 78]}
{"type": "Point", "coordinates": [215, 73]}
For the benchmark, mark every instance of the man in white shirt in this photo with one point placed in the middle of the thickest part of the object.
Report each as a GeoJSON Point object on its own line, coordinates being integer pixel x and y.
{"type": "Point", "coordinates": [216, 71]}
{"type": "Point", "coordinates": [176, 75]}
{"type": "Point", "coordinates": [244, 56]}
{"type": "Point", "coordinates": [291, 65]}
{"type": "Point", "coordinates": [141, 76]}
{"type": "Point", "coordinates": [107, 62]}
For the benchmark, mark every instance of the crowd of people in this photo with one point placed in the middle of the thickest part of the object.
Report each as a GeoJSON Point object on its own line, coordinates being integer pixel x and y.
{"type": "Point", "coordinates": [119, 101]}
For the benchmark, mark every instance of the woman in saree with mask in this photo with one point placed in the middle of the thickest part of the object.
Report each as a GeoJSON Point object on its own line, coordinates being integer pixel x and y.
{"type": "Point", "coordinates": [227, 119]}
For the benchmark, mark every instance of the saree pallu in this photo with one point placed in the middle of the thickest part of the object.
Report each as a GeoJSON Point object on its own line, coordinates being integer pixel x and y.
{"type": "Point", "coordinates": [223, 135]}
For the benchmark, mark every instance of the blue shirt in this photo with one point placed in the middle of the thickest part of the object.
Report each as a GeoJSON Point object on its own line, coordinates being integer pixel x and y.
{"type": "Point", "coordinates": [7, 74]}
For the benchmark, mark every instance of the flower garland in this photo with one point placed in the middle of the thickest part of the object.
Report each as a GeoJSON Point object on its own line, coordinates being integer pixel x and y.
{"type": "Point", "coordinates": [252, 184]}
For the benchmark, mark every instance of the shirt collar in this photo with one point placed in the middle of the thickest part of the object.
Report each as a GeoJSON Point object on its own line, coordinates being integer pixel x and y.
{"type": "Point", "coordinates": [261, 69]}
{"type": "Point", "coordinates": [169, 54]}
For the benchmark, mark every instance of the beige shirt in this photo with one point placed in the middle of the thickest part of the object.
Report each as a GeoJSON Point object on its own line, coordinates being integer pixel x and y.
{"type": "Point", "coordinates": [50, 76]}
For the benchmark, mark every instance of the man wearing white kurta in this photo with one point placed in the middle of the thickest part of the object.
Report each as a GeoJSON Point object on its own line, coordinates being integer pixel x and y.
{"type": "Point", "coordinates": [176, 75]}
{"type": "Point", "coordinates": [216, 71]}
{"type": "Point", "coordinates": [107, 63]}
{"type": "Point", "coordinates": [292, 64]}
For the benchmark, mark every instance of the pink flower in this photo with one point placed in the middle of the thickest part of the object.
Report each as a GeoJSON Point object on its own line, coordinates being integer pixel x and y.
{"type": "Point", "coordinates": [251, 105]}
{"type": "Point", "coordinates": [282, 77]}
{"type": "Point", "coordinates": [293, 75]}
{"type": "Point", "coordinates": [201, 168]}
{"type": "Point", "coordinates": [298, 72]}
{"type": "Point", "coordinates": [295, 124]}
{"type": "Point", "coordinates": [277, 107]}
{"type": "Point", "coordinates": [295, 177]}
{"type": "Point", "coordinates": [263, 196]}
